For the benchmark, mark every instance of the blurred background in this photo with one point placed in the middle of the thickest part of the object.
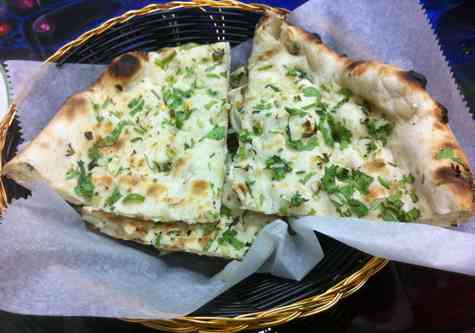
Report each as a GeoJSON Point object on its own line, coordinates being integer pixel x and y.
{"type": "Point", "coordinates": [33, 29]}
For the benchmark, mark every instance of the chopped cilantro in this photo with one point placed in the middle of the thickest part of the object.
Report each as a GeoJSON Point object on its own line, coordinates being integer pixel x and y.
{"type": "Point", "coordinates": [212, 92]}
{"type": "Point", "coordinates": [225, 211]}
{"type": "Point", "coordinates": [342, 196]}
{"type": "Point", "coordinates": [136, 105]}
{"type": "Point", "coordinates": [140, 130]}
{"type": "Point", "coordinates": [114, 197]}
{"type": "Point", "coordinates": [296, 72]}
{"type": "Point", "coordinates": [245, 136]}
{"type": "Point", "coordinates": [326, 130]}
{"type": "Point", "coordinates": [361, 181]}
{"type": "Point", "coordinates": [209, 105]}
{"type": "Point", "coordinates": [229, 236]}
{"type": "Point", "coordinates": [296, 200]}
{"type": "Point", "coordinates": [257, 129]}
{"type": "Point", "coordinates": [212, 75]}
{"type": "Point", "coordinates": [157, 240]}
{"type": "Point", "coordinates": [242, 153]}
{"type": "Point", "coordinates": [370, 147]}
{"type": "Point", "coordinates": [413, 215]}
{"type": "Point", "coordinates": [94, 152]}
{"type": "Point", "coordinates": [189, 71]}
{"type": "Point", "coordinates": [162, 63]}
{"type": "Point", "coordinates": [70, 150]}
{"type": "Point", "coordinates": [299, 145]}
{"type": "Point", "coordinates": [384, 182]}
{"type": "Point", "coordinates": [174, 98]}
{"type": "Point", "coordinates": [133, 198]}
{"type": "Point", "coordinates": [113, 137]}
{"type": "Point", "coordinates": [391, 210]}
{"type": "Point", "coordinates": [262, 106]}
{"type": "Point", "coordinates": [212, 216]}
{"type": "Point", "coordinates": [273, 87]}
{"type": "Point", "coordinates": [85, 186]}
{"type": "Point", "coordinates": [339, 104]}
{"type": "Point", "coordinates": [345, 92]}
{"type": "Point", "coordinates": [217, 133]}
{"type": "Point", "coordinates": [414, 196]}
{"type": "Point", "coordinates": [264, 68]}
{"type": "Point", "coordinates": [189, 145]}
{"type": "Point", "coordinates": [358, 208]}
{"type": "Point", "coordinates": [278, 166]}
{"type": "Point", "coordinates": [380, 129]}
{"type": "Point", "coordinates": [295, 112]}
{"type": "Point", "coordinates": [449, 154]}
{"type": "Point", "coordinates": [307, 177]}
{"type": "Point", "coordinates": [311, 92]}
{"type": "Point", "coordinates": [339, 132]}
{"type": "Point", "coordinates": [181, 117]}
{"type": "Point", "coordinates": [72, 173]}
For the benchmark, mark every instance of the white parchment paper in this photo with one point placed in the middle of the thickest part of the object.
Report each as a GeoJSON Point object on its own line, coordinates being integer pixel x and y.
{"type": "Point", "coordinates": [49, 264]}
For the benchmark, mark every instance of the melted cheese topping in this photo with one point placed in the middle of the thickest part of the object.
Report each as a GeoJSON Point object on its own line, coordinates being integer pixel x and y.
{"type": "Point", "coordinates": [157, 149]}
{"type": "Point", "coordinates": [309, 147]}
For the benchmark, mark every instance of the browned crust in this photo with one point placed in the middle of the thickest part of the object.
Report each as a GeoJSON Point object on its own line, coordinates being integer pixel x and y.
{"type": "Point", "coordinates": [454, 178]}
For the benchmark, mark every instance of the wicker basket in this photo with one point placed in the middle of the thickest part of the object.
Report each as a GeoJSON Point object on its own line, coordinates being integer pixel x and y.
{"type": "Point", "coordinates": [75, 51]}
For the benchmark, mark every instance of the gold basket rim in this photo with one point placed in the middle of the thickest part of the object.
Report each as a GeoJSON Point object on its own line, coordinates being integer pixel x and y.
{"type": "Point", "coordinates": [273, 317]}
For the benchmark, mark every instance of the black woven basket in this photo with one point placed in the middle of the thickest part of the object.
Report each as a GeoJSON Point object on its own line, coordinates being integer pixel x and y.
{"type": "Point", "coordinates": [203, 24]}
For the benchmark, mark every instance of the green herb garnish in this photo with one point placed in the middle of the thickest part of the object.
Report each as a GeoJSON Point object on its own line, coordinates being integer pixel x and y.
{"type": "Point", "coordinates": [300, 145]}
{"type": "Point", "coordinates": [295, 112]}
{"type": "Point", "coordinates": [162, 63]}
{"type": "Point", "coordinates": [229, 236]}
{"type": "Point", "coordinates": [265, 67]}
{"type": "Point", "coordinates": [217, 133]}
{"type": "Point", "coordinates": [384, 182]}
{"type": "Point", "coordinates": [380, 129]}
{"type": "Point", "coordinates": [133, 198]}
{"type": "Point", "coordinates": [273, 87]}
{"type": "Point", "coordinates": [297, 199]}
{"type": "Point", "coordinates": [136, 105]}
{"type": "Point", "coordinates": [278, 166]}
{"type": "Point", "coordinates": [85, 186]}
{"type": "Point", "coordinates": [307, 177]}
{"type": "Point", "coordinates": [311, 92]}
{"type": "Point", "coordinates": [114, 197]}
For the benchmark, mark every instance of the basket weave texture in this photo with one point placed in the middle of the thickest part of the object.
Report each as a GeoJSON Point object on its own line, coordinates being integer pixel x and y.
{"type": "Point", "coordinates": [276, 316]}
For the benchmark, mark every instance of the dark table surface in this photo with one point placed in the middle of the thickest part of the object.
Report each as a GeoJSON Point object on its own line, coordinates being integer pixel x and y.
{"type": "Point", "coordinates": [401, 298]}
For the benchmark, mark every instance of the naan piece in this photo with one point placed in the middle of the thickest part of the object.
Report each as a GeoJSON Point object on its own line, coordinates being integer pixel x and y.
{"type": "Point", "coordinates": [229, 238]}
{"type": "Point", "coordinates": [321, 134]}
{"type": "Point", "coordinates": [146, 141]}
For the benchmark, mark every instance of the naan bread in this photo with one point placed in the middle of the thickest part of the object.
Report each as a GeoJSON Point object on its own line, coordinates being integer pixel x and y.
{"type": "Point", "coordinates": [147, 140]}
{"type": "Point", "coordinates": [229, 238]}
{"type": "Point", "coordinates": [321, 134]}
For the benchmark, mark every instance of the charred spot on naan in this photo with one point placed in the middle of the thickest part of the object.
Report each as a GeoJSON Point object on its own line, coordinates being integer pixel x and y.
{"type": "Point", "coordinates": [179, 166]}
{"type": "Point", "coordinates": [199, 187]}
{"type": "Point", "coordinates": [413, 78]}
{"type": "Point", "coordinates": [377, 165]}
{"type": "Point", "coordinates": [105, 181]}
{"type": "Point", "coordinates": [126, 67]}
{"type": "Point", "coordinates": [157, 190]}
{"type": "Point", "coordinates": [454, 176]}
{"type": "Point", "coordinates": [75, 106]}
{"type": "Point", "coordinates": [358, 67]}
{"type": "Point", "coordinates": [441, 113]}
